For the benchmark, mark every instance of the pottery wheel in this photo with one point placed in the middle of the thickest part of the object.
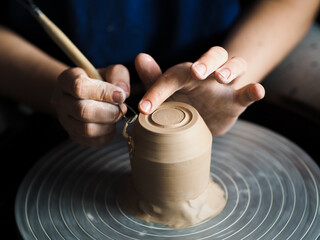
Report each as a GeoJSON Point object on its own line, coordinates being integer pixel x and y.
{"type": "Point", "coordinates": [272, 188]}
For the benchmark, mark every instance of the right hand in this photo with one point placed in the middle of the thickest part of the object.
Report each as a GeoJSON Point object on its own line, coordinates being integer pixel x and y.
{"type": "Point", "coordinates": [88, 108]}
{"type": "Point", "coordinates": [216, 98]}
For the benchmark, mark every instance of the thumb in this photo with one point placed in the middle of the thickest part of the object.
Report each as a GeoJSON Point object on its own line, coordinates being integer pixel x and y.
{"type": "Point", "coordinates": [147, 69]}
{"type": "Point", "coordinates": [249, 94]}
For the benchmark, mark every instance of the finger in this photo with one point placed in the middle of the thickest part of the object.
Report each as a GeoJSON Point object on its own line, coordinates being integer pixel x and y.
{"type": "Point", "coordinates": [232, 69]}
{"type": "Point", "coordinates": [90, 110]}
{"type": "Point", "coordinates": [250, 94]}
{"type": "Point", "coordinates": [76, 83]}
{"type": "Point", "coordinates": [95, 142]}
{"type": "Point", "coordinates": [83, 129]}
{"type": "Point", "coordinates": [168, 83]}
{"type": "Point", "coordinates": [147, 69]}
{"type": "Point", "coordinates": [119, 76]}
{"type": "Point", "coordinates": [209, 62]}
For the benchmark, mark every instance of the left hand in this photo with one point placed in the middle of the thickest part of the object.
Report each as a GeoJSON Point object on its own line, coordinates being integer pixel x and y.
{"type": "Point", "coordinates": [87, 108]}
{"type": "Point", "coordinates": [210, 91]}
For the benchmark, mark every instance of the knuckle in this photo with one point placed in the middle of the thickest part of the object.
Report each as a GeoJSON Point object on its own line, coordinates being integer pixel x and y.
{"type": "Point", "coordinates": [102, 92]}
{"type": "Point", "coordinates": [186, 65]}
{"type": "Point", "coordinates": [88, 130]}
{"type": "Point", "coordinates": [112, 114]}
{"type": "Point", "coordinates": [168, 75]}
{"type": "Point", "coordinates": [78, 86]}
{"type": "Point", "coordinates": [64, 75]}
{"type": "Point", "coordinates": [76, 72]}
{"type": "Point", "coordinates": [157, 95]}
{"type": "Point", "coordinates": [178, 75]}
{"type": "Point", "coordinates": [119, 68]}
{"type": "Point", "coordinates": [85, 110]}
{"type": "Point", "coordinates": [109, 111]}
{"type": "Point", "coordinates": [70, 72]}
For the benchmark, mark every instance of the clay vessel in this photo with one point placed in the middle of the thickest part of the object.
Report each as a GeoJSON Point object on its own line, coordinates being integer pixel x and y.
{"type": "Point", "coordinates": [170, 165]}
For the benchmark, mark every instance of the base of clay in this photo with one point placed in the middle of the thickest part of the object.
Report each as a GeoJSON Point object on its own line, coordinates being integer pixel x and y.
{"type": "Point", "coordinates": [176, 214]}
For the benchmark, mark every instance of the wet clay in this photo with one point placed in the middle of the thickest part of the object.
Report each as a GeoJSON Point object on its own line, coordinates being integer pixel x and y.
{"type": "Point", "coordinates": [170, 164]}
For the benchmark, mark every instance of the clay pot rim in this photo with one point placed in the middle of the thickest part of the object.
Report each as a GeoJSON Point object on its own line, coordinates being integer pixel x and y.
{"type": "Point", "coordinates": [152, 128]}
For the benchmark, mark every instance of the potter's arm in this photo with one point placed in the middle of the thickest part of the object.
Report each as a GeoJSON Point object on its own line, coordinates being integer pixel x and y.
{"type": "Point", "coordinates": [217, 84]}
{"type": "Point", "coordinates": [28, 75]}
{"type": "Point", "coordinates": [267, 34]}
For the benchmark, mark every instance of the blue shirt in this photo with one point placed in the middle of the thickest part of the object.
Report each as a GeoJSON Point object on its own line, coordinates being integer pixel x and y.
{"type": "Point", "coordinates": [115, 31]}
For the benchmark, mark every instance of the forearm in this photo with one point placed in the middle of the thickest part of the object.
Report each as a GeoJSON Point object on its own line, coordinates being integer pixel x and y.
{"type": "Point", "coordinates": [27, 74]}
{"type": "Point", "coordinates": [268, 33]}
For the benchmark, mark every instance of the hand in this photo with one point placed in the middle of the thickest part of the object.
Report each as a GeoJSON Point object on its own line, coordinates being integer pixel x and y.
{"type": "Point", "coordinates": [88, 108]}
{"type": "Point", "coordinates": [206, 84]}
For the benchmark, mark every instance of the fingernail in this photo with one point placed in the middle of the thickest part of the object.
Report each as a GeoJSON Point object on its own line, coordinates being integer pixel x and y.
{"type": "Point", "coordinates": [123, 85]}
{"type": "Point", "coordinates": [118, 96]}
{"type": "Point", "coordinates": [224, 74]}
{"type": "Point", "coordinates": [200, 68]}
{"type": "Point", "coordinates": [145, 106]}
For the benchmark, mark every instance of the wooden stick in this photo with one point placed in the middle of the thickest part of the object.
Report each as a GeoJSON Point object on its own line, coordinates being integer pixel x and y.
{"type": "Point", "coordinates": [66, 45]}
